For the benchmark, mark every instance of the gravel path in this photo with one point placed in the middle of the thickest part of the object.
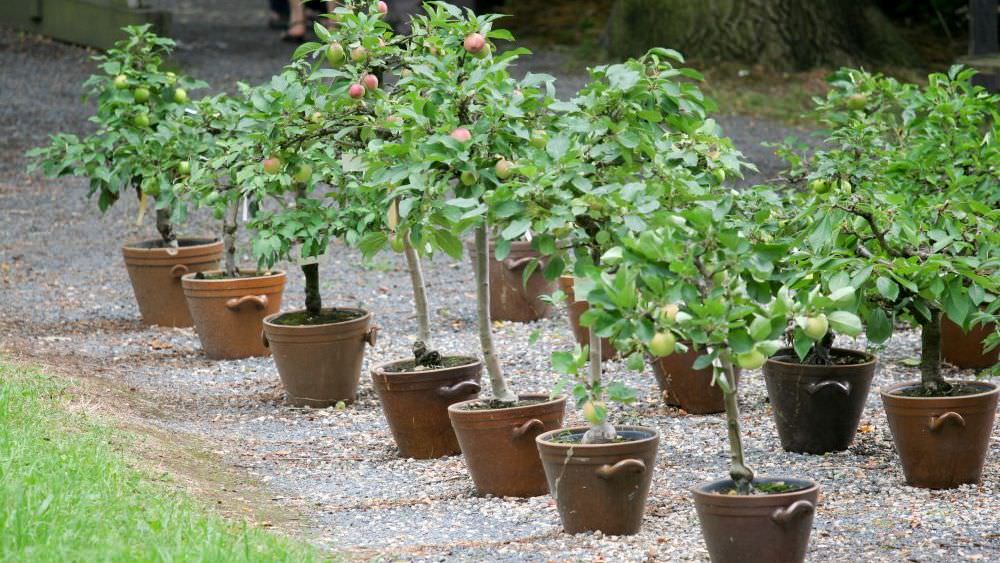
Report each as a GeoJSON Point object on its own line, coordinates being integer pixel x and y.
{"type": "Point", "coordinates": [66, 300]}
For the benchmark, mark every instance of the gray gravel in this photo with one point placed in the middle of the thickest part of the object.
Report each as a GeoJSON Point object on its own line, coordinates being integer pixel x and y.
{"type": "Point", "coordinates": [67, 301]}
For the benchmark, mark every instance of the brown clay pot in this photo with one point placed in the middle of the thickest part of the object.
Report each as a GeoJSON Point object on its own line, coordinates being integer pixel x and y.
{"type": "Point", "coordinates": [965, 349]}
{"type": "Point", "coordinates": [510, 300]}
{"type": "Point", "coordinates": [320, 365]}
{"type": "Point", "coordinates": [817, 408]}
{"type": "Point", "coordinates": [228, 313]}
{"type": "Point", "coordinates": [600, 486]}
{"type": "Point", "coordinates": [576, 310]}
{"type": "Point", "coordinates": [760, 528]}
{"type": "Point", "coordinates": [156, 273]}
{"type": "Point", "coordinates": [683, 386]}
{"type": "Point", "coordinates": [415, 404]}
{"type": "Point", "coordinates": [942, 441]}
{"type": "Point", "coordinates": [499, 444]}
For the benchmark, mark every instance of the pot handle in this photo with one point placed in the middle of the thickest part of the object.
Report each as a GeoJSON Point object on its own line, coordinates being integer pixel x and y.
{"type": "Point", "coordinates": [798, 508]}
{"type": "Point", "coordinates": [634, 466]}
{"type": "Point", "coordinates": [260, 301]}
{"type": "Point", "coordinates": [461, 388]}
{"type": "Point", "coordinates": [178, 270]}
{"type": "Point", "coordinates": [372, 336]}
{"type": "Point", "coordinates": [512, 264]}
{"type": "Point", "coordinates": [842, 387]}
{"type": "Point", "coordinates": [938, 421]}
{"type": "Point", "coordinates": [264, 340]}
{"type": "Point", "coordinates": [533, 425]}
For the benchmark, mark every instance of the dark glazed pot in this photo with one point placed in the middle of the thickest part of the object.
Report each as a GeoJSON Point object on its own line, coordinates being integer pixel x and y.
{"type": "Point", "coordinates": [156, 273]}
{"type": "Point", "coordinates": [942, 441]}
{"type": "Point", "coordinates": [756, 528]}
{"type": "Point", "coordinates": [576, 310]}
{"type": "Point", "coordinates": [499, 444]}
{"type": "Point", "coordinates": [510, 300]}
{"type": "Point", "coordinates": [320, 365]}
{"type": "Point", "coordinates": [415, 404]}
{"type": "Point", "coordinates": [817, 408]}
{"type": "Point", "coordinates": [965, 349]}
{"type": "Point", "coordinates": [600, 486]}
{"type": "Point", "coordinates": [228, 313]}
{"type": "Point", "coordinates": [683, 386]}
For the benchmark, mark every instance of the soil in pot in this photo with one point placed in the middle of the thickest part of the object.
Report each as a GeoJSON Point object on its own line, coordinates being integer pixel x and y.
{"type": "Point", "coordinates": [319, 363]}
{"type": "Point", "coordinates": [942, 441]}
{"type": "Point", "coordinates": [415, 402]}
{"type": "Point", "coordinates": [510, 298]}
{"type": "Point", "coordinates": [155, 272]}
{"type": "Point", "coordinates": [773, 524]}
{"type": "Point", "coordinates": [576, 309]}
{"type": "Point", "coordinates": [817, 408]}
{"type": "Point", "coordinates": [683, 386]}
{"type": "Point", "coordinates": [499, 443]}
{"type": "Point", "coordinates": [599, 486]}
{"type": "Point", "coordinates": [228, 312]}
{"type": "Point", "coordinates": [965, 349]}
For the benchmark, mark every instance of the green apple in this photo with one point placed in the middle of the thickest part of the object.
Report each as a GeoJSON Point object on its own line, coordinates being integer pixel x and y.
{"type": "Point", "coordinates": [593, 411]}
{"type": "Point", "coordinates": [753, 359]}
{"type": "Point", "coordinates": [180, 95]}
{"type": "Point", "coordinates": [183, 168]}
{"type": "Point", "coordinates": [140, 94]}
{"type": "Point", "coordinates": [302, 173]}
{"type": "Point", "coordinates": [468, 178]}
{"type": "Point", "coordinates": [335, 54]}
{"type": "Point", "coordinates": [819, 186]}
{"type": "Point", "coordinates": [121, 82]}
{"type": "Point", "coordinates": [171, 78]}
{"type": "Point", "coordinates": [816, 327]}
{"type": "Point", "coordinates": [141, 120]}
{"type": "Point", "coordinates": [539, 139]}
{"type": "Point", "coordinates": [504, 168]}
{"type": "Point", "coordinates": [662, 344]}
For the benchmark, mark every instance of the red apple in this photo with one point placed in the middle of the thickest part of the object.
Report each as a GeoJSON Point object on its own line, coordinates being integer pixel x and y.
{"type": "Point", "coordinates": [383, 8]}
{"type": "Point", "coordinates": [272, 165]}
{"type": "Point", "coordinates": [474, 42]}
{"type": "Point", "coordinates": [356, 91]}
{"type": "Point", "coordinates": [462, 135]}
{"type": "Point", "coordinates": [370, 82]}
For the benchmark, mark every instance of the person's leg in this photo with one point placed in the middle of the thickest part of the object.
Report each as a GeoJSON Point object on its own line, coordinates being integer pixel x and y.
{"type": "Point", "coordinates": [296, 21]}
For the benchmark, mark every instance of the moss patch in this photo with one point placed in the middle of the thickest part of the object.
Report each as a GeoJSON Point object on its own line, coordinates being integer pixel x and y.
{"type": "Point", "coordinates": [325, 317]}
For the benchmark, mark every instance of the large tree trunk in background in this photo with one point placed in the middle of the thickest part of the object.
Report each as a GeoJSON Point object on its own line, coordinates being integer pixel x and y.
{"type": "Point", "coordinates": [783, 34]}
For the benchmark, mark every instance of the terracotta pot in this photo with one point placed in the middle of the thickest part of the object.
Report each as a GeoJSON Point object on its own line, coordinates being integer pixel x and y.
{"type": "Point", "coordinates": [576, 309]}
{"type": "Point", "coordinates": [228, 313]}
{"type": "Point", "coordinates": [415, 404]}
{"type": "Point", "coordinates": [320, 365]}
{"type": "Point", "coordinates": [942, 441]}
{"type": "Point", "coordinates": [817, 408]}
{"type": "Point", "coordinates": [965, 349]}
{"type": "Point", "coordinates": [756, 528]}
{"type": "Point", "coordinates": [499, 444]}
{"type": "Point", "coordinates": [510, 300]}
{"type": "Point", "coordinates": [156, 273]}
{"type": "Point", "coordinates": [600, 486]}
{"type": "Point", "coordinates": [685, 387]}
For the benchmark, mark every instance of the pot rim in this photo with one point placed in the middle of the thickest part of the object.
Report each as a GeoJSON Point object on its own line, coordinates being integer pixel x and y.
{"type": "Point", "coordinates": [512, 411]}
{"type": "Point", "coordinates": [870, 359]}
{"type": "Point", "coordinates": [700, 492]}
{"type": "Point", "coordinates": [887, 391]}
{"type": "Point", "coordinates": [543, 439]}
{"type": "Point", "coordinates": [191, 277]}
{"type": "Point", "coordinates": [366, 316]}
{"type": "Point", "coordinates": [381, 371]}
{"type": "Point", "coordinates": [132, 246]}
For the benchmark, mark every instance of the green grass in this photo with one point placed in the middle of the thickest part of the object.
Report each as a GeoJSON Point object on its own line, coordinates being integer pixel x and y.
{"type": "Point", "coordinates": [67, 494]}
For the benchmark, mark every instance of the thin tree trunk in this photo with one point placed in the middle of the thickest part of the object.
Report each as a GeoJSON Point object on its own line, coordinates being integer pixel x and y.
{"type": "Point", "coordinates": [604, 432]}
{"type": "Point", "coordinates": [930, 354]}
{"type": "Point", "coordinates": [229, 228]}
{"type": "Point", "coordinates": [166, 228]}
{"type": "Point", "coordinates": [314, 302]}
{"type": "Point", "coordinates": [419, 293]}
{"type": "Point", "coordinates": [501, 392]}
{"type": "Point", "coordinates": [741, 475]}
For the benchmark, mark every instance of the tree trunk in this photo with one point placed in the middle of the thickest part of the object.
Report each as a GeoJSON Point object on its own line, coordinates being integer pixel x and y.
{"type": "Point", "coordinates": [783, 34]}
{"type": "Point", "coordinates": [229, 228]}
{"type": "Point", "coordinates": [166, 228]}
{"type": "Point", "coordinates": [501, 392]}
{"type": "Point", "coordinates": [604, 432]}
{"type": "Point", "coordinates": [741, 475]}
{"type": "Point", "coordinates": [314, 302]}
{"type": "Point", "coordinates": [930, 354]}
{"type": "Point", "coordinates": [419, 293]}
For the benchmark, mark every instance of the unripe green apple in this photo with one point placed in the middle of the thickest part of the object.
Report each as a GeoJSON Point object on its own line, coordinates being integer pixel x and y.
{"type": "Point", "coordinates": [141, 120]}
{"type": "Point", "coordinates": [753, 359]}
{"type": "Point", "coordinates": [183, 168]}
{"type": "Point", "coordinates": [397, 244]}
{"type": "Point", "coordinates": [171, 79]}
{"type": "Point", "coordinates": [662, 344]}
{"type": "Point", "coordinates": [140, 94]}
{"type": "Point", "coordinates": [504, 168]}
{"type": "Point", "coordinates": [335, 54]}
{"type": "Point", "coordinates": [590, 412]}
{"type": "Point", "coordinates": [468, 178]}
{"type": "Point", "coordinates": [303, 172]}
{"type": "Point", "coordinates": [539, 138]}
{"type": "Point", "coordinates": [484, 52]}
{"type": "Point", "coordinates": [819, 186]}
{"type": "Point", "coordinates": [816, 327]}
{"type": "Point", "coordinates": [121, 82]}
{"type": "Point", "coordinates": [719, 174]}
{"type": "Point", "coordinates": [180, 95]}
{"type": "Point", "coordinates": [857, 101]}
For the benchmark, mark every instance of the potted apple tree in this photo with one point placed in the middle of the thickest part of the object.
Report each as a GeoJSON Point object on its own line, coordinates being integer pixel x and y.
{"type": "Point", "coordinates": [227, 305]}
{"type": "Point", "coordinates": [701, 274]}
{"type": "Point", "coordinates": [905, 198]}
{"type": "Point", "coordinates": [135, 149]}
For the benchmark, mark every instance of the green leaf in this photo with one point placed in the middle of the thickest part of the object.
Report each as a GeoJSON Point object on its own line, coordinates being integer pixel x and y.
{"type": "Point", "coordinates": [371, 243]}
{"type": "Point", "coordinates": [515, 229]}
{"type": "Point", "coordinates": [760, 328]}
{"type": "Point", "coordinates": [563, 362]}
{"type": "Point", "coordinates": [845, 323]}
{"type": "Point", "coordinates": [449, 243]}
{"type": "Point", "coordinates": [887, 288]}
{"type": "Point", "coordinates": [879, 326]}
{"type": "Point", "coordinates": [802, 343]}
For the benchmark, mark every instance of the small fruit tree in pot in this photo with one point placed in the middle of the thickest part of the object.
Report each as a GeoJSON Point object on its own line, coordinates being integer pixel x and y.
{"type": "Point", "coordinates": [636, 139]}
{"type": "Point", "coordinates": [906, 198]}
{"type": "Point", "coordinates": [703, 273]}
